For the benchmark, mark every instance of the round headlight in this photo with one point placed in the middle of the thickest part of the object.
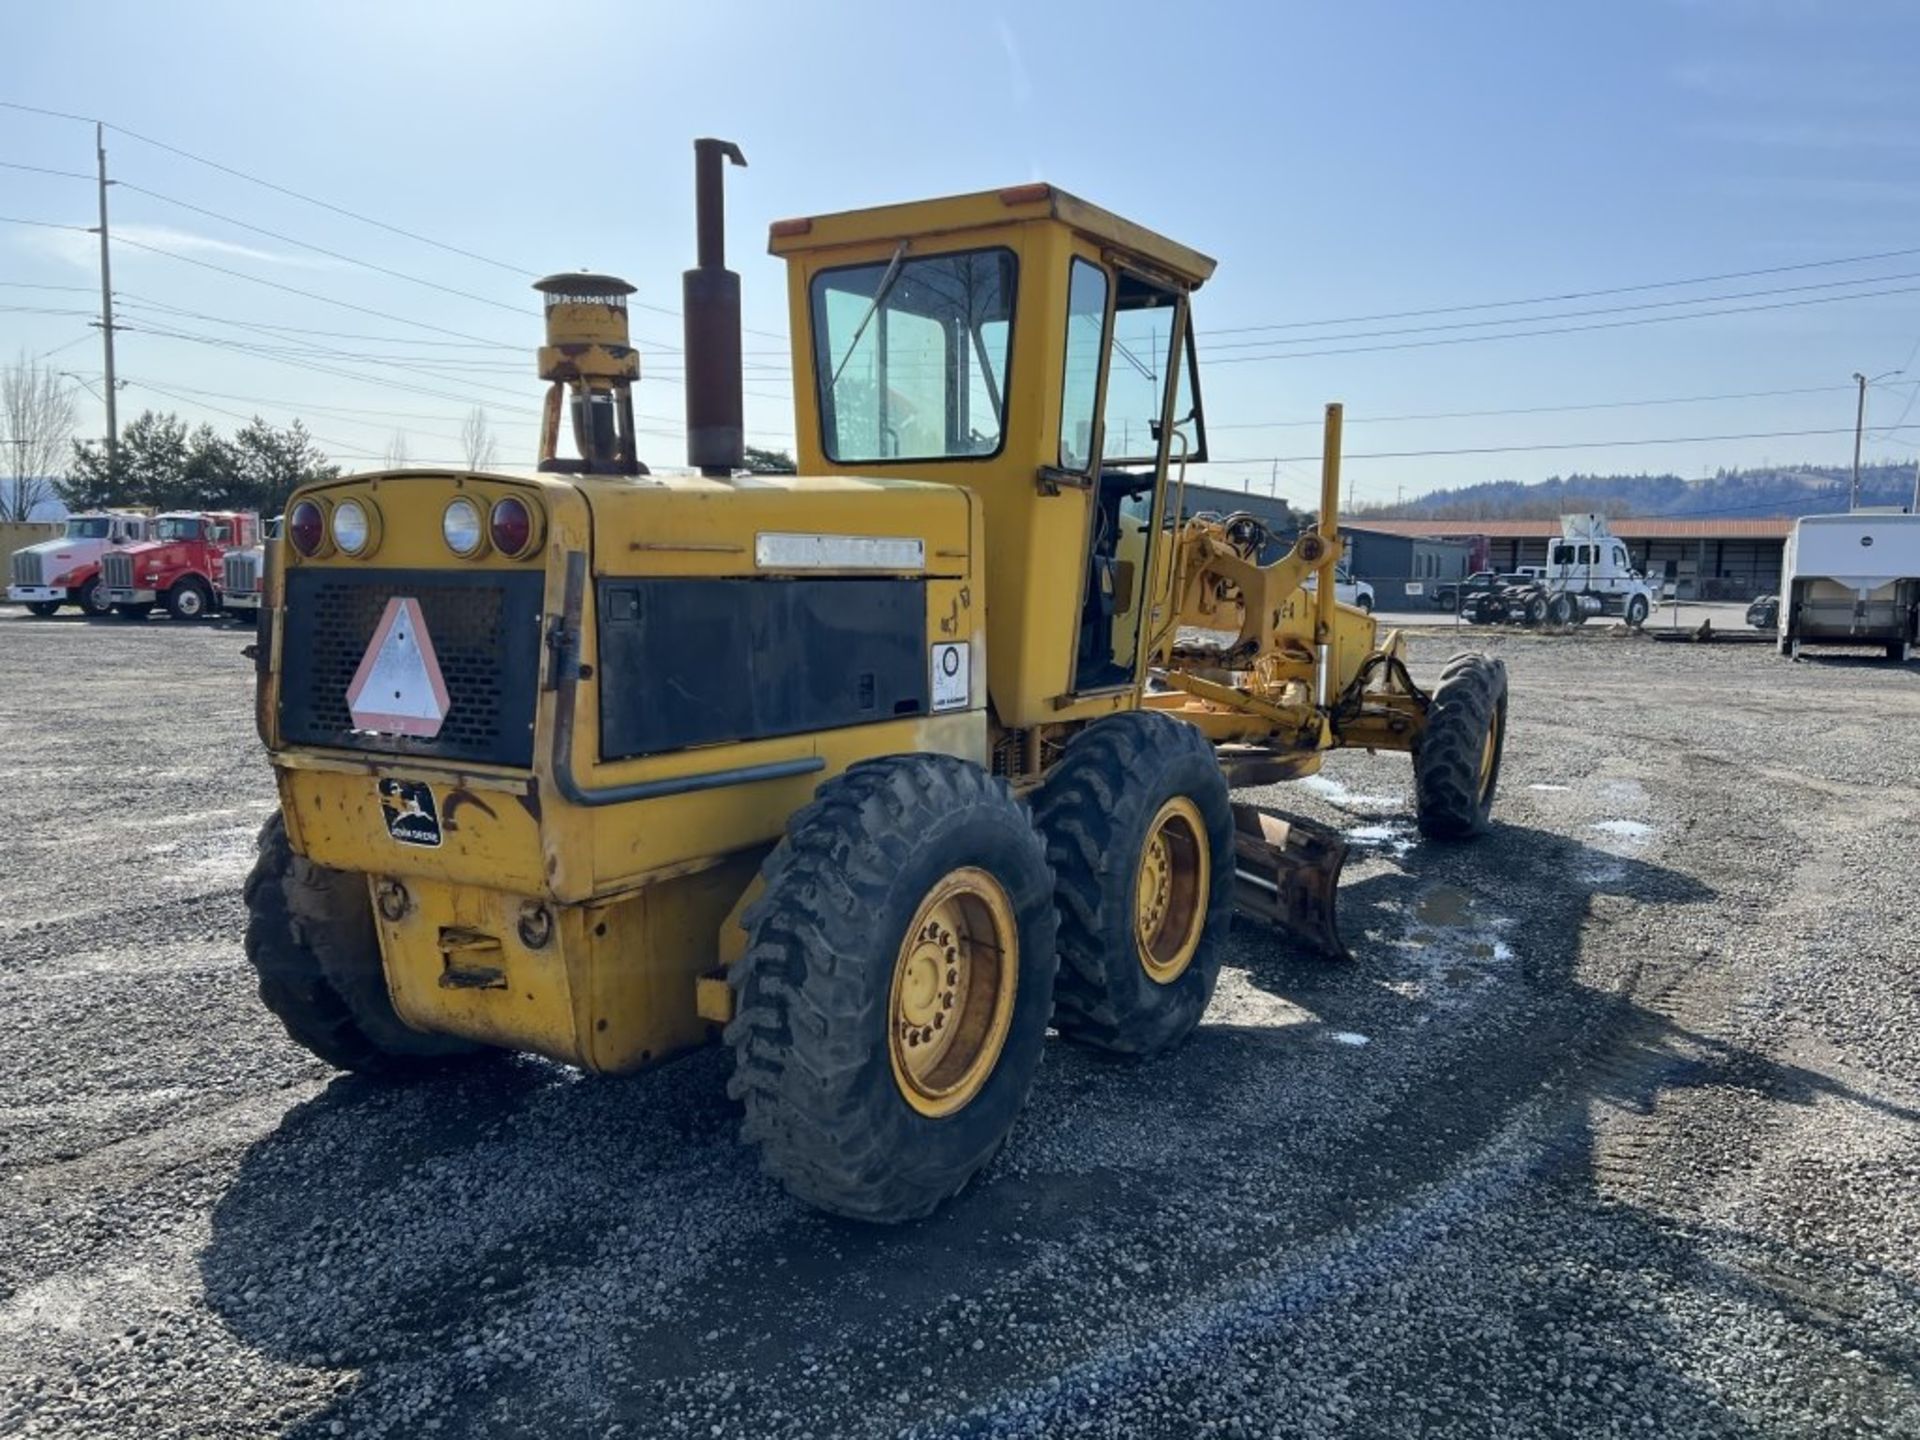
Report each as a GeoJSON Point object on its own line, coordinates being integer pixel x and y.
{"type": "Point", "coordinates": [460, 527]}
{"type": "Point", "coordinates": [511, 525]}
{"type": "Point", "coordinates": [350, 528]}
{"type": "Point", "coordinates": [307, 527]}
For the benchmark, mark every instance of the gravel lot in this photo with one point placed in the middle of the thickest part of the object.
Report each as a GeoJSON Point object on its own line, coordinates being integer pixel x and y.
{"type": "Point", "coordinates": [1612, 1126]}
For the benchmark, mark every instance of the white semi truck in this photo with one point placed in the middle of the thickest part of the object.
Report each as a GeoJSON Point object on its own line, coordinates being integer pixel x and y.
{"type": "Point", "coordinates": [1852, 579]}
{"type": "Point", "coordinates": [1587, 573]}
{"type": "Point", "coordinates": [66, 571]}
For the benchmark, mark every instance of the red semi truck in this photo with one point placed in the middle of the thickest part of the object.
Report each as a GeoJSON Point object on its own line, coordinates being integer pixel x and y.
{"type": "Point", "coordinates": [179, 566]}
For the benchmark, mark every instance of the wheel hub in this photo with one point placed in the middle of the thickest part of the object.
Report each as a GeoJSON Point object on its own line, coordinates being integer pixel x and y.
{"type": "Point", "coordinates": [1171, 890]}
{"type": "Point", "coordinates": [952, 995]}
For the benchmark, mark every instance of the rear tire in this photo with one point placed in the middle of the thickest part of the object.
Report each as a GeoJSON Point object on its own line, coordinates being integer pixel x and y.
{"type": "Point", "coordinates": [311, 939]}
{"type": "Point", "coordinates": [190, 599]}
{"type": "Point", "coordinates": [1139, 830]}
{"type": "Point", "coordinates": [1534, 611]}
{"type": "Point", "coordinates": [45, 609]}
{"type": "Point", "coordinates": [1560, 609]}
{"type": "Point", "coordinates": [914, 887]}
{"type": "Point", "coordinates": [1456, 766]}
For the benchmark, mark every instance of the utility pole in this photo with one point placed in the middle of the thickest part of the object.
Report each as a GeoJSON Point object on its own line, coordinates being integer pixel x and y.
{"type": "Point", "coordinates": [1859, 426]}
{"type": "Point", "coordinates": [1914, 508]}
{"type": "Point", "coordinates": [1273, 480]}
{"type": "Point", "coordinates": [106, 298]}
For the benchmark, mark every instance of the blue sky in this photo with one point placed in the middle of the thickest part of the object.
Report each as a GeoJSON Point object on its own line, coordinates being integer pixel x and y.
{"type": "Point", "coordinates": [1339, 161]}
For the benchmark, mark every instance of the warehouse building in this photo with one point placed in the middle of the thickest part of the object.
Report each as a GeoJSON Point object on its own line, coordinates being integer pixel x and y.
{"type": "Point", "coordinates": [1702, 559]}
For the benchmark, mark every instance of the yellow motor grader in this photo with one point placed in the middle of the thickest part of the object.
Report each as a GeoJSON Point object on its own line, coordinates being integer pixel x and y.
{"type": "Point", "coordinates": [876, 771]}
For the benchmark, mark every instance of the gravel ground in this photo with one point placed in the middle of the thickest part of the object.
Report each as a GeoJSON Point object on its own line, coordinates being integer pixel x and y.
{"type": "Point", "coordinates": [1611, 1127]}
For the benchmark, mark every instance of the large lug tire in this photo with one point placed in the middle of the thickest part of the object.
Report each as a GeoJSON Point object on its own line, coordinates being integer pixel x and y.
{"type": "Point", "coordinates": [893, 999]}
{"type": "Point", "coordinates": [1456, 766]}
{"type": "Point", "coordinates": [89, 600]}
{"type": "Point", "coordinates": [1139, 830]}
{"type": "Point", "coordinates": [1637, 611]}
{"type": "Point", "coordinates": [190, 600]}
{"type": "Point", "coordinates": [311, 939]}
{"type": "Point", "coordinates": [45, 609]}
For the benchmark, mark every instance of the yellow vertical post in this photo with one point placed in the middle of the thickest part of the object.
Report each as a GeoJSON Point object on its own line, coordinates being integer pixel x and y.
{"type": "Point", "coordinates": [1324, 598]}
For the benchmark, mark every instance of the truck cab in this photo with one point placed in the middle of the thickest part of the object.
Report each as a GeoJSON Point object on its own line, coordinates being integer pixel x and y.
{"type": "Point", "coordinates": [66, 571]}
{"type": "Point", "coordinates": [179, 566]}
{"type": "Point", "coordinates": [1588, 573]}
{"type": "Point", "coordinates": [241, 571]}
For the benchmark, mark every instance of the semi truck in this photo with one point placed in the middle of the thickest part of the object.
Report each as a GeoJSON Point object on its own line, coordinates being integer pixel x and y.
{"type": "Point", "coordinates": [179, 566]}
{"type": "Point", "coordinates": [66, 570]}
{"type": "Point", "coordinates": [1852, 579]}
{"type": "Point", "coordinates": [1588, 573]}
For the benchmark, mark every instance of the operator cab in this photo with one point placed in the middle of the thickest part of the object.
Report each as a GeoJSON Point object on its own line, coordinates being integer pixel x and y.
{"type": "Point", "coordinates": [1037, 350]}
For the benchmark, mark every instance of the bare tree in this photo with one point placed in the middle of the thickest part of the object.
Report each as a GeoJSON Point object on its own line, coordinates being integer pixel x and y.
{"type": "Point", "coordinates": [476, 440]}
{"type": "Point", "coordinates": [397, 451]}
{"type": "Point", "coordinates": [36, 429]}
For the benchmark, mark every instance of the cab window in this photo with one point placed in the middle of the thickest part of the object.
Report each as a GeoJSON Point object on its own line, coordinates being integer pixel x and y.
{"type": "Point", "coordinates": [177, 530]}
{"type": "Point", "coordinates": [1080, 388]}
{"type": "Point", "coordinates": [910, 356]}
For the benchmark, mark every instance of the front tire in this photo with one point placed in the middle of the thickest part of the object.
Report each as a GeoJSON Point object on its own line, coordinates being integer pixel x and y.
{"type": "Point", "coordinates": [1637, 609]}
{"type": "Point", "coordinates": [311, 940]}
{"type": "Point", "coordinates": [189, 600]}
{"type": "Point", "coordinates": [1139, 830]}
{"type": "Point", "coordinates": [1456, 766]}
{"type": "Point", "coordinates": [893, 999]}
{"type": "Point", "coordinates": [90, 601]}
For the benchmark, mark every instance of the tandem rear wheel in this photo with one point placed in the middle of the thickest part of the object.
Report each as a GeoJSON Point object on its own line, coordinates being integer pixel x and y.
{"type": "Point", "coordinates": [894, 994]}
{"type": "Point", "coordinates": [311, 940]}
{"type": "Point", "coordinates": [1139, 830]}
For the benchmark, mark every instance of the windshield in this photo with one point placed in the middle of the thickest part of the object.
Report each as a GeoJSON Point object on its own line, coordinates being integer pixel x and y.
{"type": "Point", "coordinates": [922, 374]}
{"type": "Point", "coordinates": [176, 529]}
{"type": "Point", "coordinates": [93, 527]}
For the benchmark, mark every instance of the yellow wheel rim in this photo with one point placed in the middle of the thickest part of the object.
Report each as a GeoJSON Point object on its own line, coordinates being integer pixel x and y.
{"type": "Point", "coordinates": [1171, 889]}
{"type": "Point", "coordinates": [951, 1002]}
{"type": "Point", "coordinates": [1489, 753]}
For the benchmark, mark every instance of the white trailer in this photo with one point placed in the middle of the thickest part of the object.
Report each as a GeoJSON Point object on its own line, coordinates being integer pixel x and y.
{"type": "Point", "coordinates": [1852, 579]}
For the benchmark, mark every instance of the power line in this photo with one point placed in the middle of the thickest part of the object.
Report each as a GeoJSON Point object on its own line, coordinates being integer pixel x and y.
{"type": "Point", "coordinates": [43, 170]}
{"type": "Point", "coordinates": [1558, 445]}
{"type": "Point", "coordinates": [1545, 409]}
{"type": "Point", "coordinates": [1567, 329]}
{"type": "Point", "coordinates": [1572, 294]}
{"type": "Point", "coordinates": [1571, 314]}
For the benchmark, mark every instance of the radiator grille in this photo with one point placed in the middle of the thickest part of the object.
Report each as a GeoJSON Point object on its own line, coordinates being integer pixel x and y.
{"type": "Point", "coordinates": [485, 630]}
{"type": "Point", "coordinates": [116, 570]}
{"type": "Point", "coordinates": [240, 574]}
{"type": "Point", "coordinates": [26, 568]}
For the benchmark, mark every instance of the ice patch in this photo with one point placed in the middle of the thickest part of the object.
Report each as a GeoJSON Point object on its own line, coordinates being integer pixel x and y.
{"type": "Point", "coordinates": [1348, 1037]}
{"type": "Point", "coordinates": [1395, 837]}
{"type": "Point", "coordinates": [1624, 829]}
{"type": "Point", "coordinates": [1337, 794]}
{"type": "Point", "coordinates": [1551, 789]}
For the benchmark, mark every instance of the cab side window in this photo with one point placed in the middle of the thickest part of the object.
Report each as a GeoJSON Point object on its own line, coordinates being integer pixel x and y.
{"type": "Point", "coordinates": [1080, 386]}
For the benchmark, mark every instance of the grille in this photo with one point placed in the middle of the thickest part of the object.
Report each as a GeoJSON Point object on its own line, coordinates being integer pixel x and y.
{"type": "Point", "coordinates": [116, 570]}
{"type": "Point", "coordinates": [26, 569]}
{"type": "Point", "coordinates": [485, 630]}
{"type": "Point", "coordinates": [239, 574]}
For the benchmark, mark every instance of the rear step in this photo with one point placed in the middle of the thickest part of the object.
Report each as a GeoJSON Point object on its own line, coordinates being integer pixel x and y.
{"type": "Point", "coordinates": [1287, 873]}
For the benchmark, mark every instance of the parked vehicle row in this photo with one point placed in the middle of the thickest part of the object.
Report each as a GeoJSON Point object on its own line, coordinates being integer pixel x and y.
{"type": "Point", "coordinates": [192, 563]}
{"type": "Point", "coordinates": [1587, 574]}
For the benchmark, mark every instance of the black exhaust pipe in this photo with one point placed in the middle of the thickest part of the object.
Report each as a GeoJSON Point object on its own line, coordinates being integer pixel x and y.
{"type": "Point", "coordinates": [710, 303]}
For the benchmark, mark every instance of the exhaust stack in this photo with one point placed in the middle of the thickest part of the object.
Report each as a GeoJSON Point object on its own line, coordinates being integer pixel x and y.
{"type": "Point", "coordinates": [710, 302]}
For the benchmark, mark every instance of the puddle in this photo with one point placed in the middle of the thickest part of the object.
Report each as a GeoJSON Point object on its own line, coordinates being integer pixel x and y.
{"type": "Point", "coordinates": [1624, 829]}
{"type": "Point", "coordinates": [1334, 793]}
{"type": "Point", "coordinates": [1348, 1037]}
{"type": "Point", "coordinates": [1551, 789]}
{"type": "Point", "coordinates": [1445, 906]}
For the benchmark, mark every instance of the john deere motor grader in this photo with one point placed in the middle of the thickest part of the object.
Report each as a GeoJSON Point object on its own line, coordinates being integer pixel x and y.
{"type": "Point", "coordinates": [875, 772]}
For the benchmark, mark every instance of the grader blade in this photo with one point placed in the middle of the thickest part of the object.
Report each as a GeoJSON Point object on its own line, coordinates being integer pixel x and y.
{"type": "Point", "coordinates": [1287, 873]}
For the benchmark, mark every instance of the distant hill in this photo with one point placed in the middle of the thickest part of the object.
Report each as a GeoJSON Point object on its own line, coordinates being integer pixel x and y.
{"type": "Point", "coordinates": [1788, 490]}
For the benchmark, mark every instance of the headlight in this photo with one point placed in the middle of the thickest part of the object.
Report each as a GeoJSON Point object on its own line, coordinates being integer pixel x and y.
{"type": "Point", "coordinates": [461, 527]}
{"type": "Point", "coordinates": [352, 527]}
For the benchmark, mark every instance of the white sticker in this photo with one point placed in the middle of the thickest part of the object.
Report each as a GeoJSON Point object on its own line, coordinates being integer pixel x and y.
{"type": "Point", "coordinates": [775, 550]}
{"type": "Point", "coordinates": [950, 678]}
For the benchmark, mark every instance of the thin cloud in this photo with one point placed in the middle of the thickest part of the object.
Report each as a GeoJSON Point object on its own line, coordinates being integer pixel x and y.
{"type": "Point", "coordinates": [1017, 77]}
{"type": "Point", "coordinates": [83, 251]}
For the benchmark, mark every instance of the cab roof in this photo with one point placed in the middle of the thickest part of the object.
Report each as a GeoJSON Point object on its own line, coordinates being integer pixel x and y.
{"type": "Point", "coordinates": [985, 210]}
